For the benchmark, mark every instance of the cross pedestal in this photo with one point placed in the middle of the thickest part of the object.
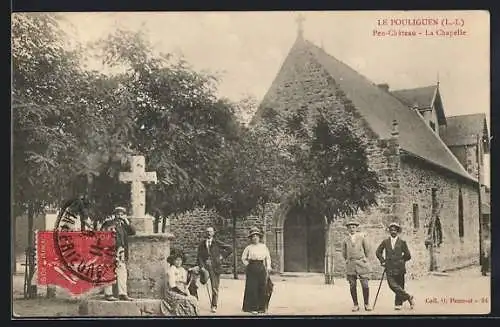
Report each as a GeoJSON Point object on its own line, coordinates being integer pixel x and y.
{"type": "Point", "coordinates": [148, 254]}
{"type": "Point", "coordinates": [147, 250]}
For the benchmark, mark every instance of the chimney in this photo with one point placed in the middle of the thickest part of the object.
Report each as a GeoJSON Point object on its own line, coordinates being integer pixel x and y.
{"type": "Point", "coordinates": [384, 86]}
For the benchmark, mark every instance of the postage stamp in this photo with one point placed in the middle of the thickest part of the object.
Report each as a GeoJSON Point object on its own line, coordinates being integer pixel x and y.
{"type": "Point", "coordinates": [77, 260]}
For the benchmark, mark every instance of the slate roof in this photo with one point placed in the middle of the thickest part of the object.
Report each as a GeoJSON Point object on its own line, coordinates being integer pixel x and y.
{"type": "Point", "coordinates": [379, 108]}
{"type": "Point", "coordinates": [422, 97]}
{"type": "Point", "coordinates": [463, 130]}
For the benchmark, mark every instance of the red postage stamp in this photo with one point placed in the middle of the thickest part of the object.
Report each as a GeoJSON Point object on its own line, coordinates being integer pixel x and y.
{"type": "Point", "coordinates": [76, 261]}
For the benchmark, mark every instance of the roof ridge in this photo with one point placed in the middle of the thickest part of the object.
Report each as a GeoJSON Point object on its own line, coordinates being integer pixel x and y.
{"type": "Point", "coordinates": [335, 58]}
{"type": "Point", "coordinates": [415, 88]}
{"type": "Point", "coordinates": [464, 115]}
{"type": "Point", "coordinates": [398, 108]}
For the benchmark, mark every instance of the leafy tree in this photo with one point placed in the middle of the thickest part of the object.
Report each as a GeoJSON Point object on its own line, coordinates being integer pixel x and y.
{"type": "Point", "coordinates": [332, 177]}
{"type": "Point", "coordinates": [250, 174]}
{"type": "Point", "coordinates": [43, 71]}
{"type": "Point", "coordinates": [179, 123]}
{"type": "Point", "coordinates": [103, 126]}
{"type": "Point", "coordinates": [245, 109]}
{"type": "Point", "coordinates": [60, 139]}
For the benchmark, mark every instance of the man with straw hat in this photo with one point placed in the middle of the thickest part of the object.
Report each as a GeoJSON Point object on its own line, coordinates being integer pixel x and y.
{"type": "Point", "coordinates": [396, 255]}
{"type": "Point", "coordinates": [355, 250]}
{"type": "Point", "coordinates": [122, 228]}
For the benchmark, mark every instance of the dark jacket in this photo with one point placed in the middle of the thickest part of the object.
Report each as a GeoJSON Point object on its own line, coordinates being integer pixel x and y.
{"type": "Point", "coordinates": [123, 231]}
{"type": "Point", "coordinates": [218, 251]}
{"type": "Point", "coordinates": [394, 260]}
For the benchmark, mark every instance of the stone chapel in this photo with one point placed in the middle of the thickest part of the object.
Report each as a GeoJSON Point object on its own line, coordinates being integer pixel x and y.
{"type": "Point", "coordinates": [427, 162]}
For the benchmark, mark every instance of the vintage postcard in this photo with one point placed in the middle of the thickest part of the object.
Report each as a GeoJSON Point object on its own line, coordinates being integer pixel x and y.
{"type": "Point", "coordinates": [250, 163]}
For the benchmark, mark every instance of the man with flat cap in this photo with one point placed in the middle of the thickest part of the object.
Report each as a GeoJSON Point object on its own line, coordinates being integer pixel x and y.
{"type": "Point", "coordinates": [211, 252]}
{"type": "Point", "coordinates": [393, 253]}
{"type": "Point", "coordinates": [355, 250]}
{"type": "Point", "coordinates": [123, 229]}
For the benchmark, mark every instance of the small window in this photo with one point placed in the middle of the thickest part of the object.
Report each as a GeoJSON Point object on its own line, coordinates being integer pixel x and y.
{"type": "Point", "coordinates": [433, 126]}
{"type": "Point", "coordinates": [416, 218]}
{"type": "Point", "coordinates": [434, 199]}
{"type": "Point", "coordinates": [460, 214]}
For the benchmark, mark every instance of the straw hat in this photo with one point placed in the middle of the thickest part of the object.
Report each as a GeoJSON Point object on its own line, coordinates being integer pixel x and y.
{"type": "Point", "coordinates": [254, 231]}
{"type": "Point", "coordinates": [120, 209]}
{"type": "Point", "coordinates": [352, 222]}
{"type": "Point", "coordinates": [395, 224]}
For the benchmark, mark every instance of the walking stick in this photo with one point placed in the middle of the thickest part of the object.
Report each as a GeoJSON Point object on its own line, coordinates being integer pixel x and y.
{"type": "Point", "coordinates": [209, 295]}
{"type": "Point", "coordinates": [378, 291]}
{"type": "Point", "coordinates": [219, 302]}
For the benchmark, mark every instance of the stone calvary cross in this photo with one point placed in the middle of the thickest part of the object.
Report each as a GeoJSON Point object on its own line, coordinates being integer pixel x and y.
{"type": "Point", "coordinates": [137, 177]}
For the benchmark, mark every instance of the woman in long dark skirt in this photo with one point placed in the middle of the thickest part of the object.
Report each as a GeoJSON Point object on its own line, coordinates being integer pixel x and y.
{"type": "Point", "coordinates": [257, 260]}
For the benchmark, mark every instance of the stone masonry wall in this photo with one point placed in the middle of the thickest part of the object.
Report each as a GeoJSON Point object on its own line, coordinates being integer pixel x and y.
{"type": "Point", "coordinates": [189, 230]}
{"type": "Point", "coordinates": [242, 228]}
{"type": "Point", "coordinates": [455, 252]}
{"type": "Point", "coordinates": [304, 84]}
{"type": "Point", "coordinates": [467, 155]}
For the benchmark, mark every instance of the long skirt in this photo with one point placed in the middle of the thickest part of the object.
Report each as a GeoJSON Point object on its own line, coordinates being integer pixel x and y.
{"type": "Point", "coordinates": [255, 297]}
{"type": "Point", "coordinates": [177, 304]}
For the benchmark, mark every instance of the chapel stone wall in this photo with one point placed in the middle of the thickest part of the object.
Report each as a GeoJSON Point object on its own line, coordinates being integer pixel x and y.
{"type": "Point", "coordinates": [454, 252]}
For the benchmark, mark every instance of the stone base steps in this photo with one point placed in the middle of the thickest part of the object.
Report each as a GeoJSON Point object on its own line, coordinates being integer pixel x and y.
{"type": "Point", "coordinates": [439, 274]}
{"type": "Point", "coordinates": [136, 308]}
{"type": "Point", "coordinates": [301, 275]}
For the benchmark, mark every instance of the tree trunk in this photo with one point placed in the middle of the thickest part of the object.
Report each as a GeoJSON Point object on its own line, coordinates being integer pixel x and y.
{"type": "Point", "coordinates": [30, 252]}
{"type": "Point", "coordinates": [90, 181]}
{"type": "Point", "coordinates": [235, 252]}
{"type": "Point", "coordinates": [263, 219]}
{"type": "Point", "coordinates": [156, 224]}
{"type": "Point", "coordinates": [432, 257]}
{"type": "Point", "coordinates": [328, 255]}
{"type": "Point", "coordinates": [164, 224]}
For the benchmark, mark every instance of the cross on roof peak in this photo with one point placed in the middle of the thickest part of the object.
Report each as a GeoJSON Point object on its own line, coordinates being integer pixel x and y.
{"type": "Point", "coordinates": [300, 24]}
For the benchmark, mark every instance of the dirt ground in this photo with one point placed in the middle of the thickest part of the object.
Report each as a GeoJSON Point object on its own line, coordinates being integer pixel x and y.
{"type": "Point", "coordinates": [460, 292]}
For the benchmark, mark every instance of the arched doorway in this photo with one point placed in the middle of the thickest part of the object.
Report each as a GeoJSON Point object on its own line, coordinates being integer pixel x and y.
{"type": "Point", "coordinates": [304, 243]}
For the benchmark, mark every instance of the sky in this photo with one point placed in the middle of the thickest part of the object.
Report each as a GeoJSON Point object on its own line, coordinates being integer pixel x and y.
{"type": "Point", "coordinates": [248, 48]}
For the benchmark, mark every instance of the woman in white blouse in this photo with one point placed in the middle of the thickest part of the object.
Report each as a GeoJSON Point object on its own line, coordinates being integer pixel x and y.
{"type": "Point", "coordinates": [258, 286]}
{"type": "Point", "coordinates": [176, 298]}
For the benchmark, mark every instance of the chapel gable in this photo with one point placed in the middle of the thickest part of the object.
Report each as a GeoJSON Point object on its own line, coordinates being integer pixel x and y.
{"type": "Point", "coordinates": [427, 102]}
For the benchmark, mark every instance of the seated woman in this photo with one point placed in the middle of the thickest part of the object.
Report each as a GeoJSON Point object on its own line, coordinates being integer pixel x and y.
{"type": "Point", "coordinates": [176, 298]}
